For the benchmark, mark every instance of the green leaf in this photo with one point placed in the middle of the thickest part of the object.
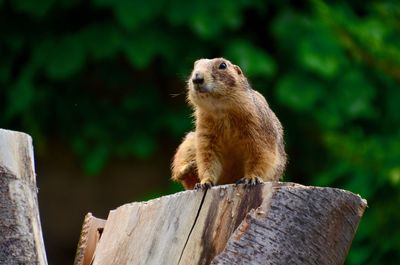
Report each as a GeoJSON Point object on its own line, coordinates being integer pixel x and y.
{"type": "Point", "coordinates": [232, 13]}
{"type": "Point", "coordinates": [253, 60]}
{"type": "Point", "coordinates": [358, 255]}
{"type": "Point", "coordinates": [325, 64]}
{"type": "Point", "coordinates": [299, 93]}
{"type": "Point", "coordinates": [96, 159]}
{"type": "Point", "coordinates": [179, 12]}
{"type": "Point", "coordinates": [320, 52]}
{"type": "Point", "coordinates": [355, 95]}
{"type": "Point", "coordinates": [132, 13]}
{"type": "Point", "coordinates": [102, 40]}
{"type": "Point", "coordinates": [143, 146]}
{"type": "Point", "coordinates": [329, 115]}
{"type": "Point", "coordinates": [204, 26]}
{"type": "Point", "coordinates": [141, 49]}
{"type": "Point", "coordinates": [62, 58]}
{"type": "Point", "coordinates": [197, 16]}
{"type": "Point", "coordinates": [361, 183]}
{"type": "Point", "coordinates": [20, 98]}
{"type": "Point", "coordinates": [394, 176]}
{"type": "Point", "coordinates": [282, 29]}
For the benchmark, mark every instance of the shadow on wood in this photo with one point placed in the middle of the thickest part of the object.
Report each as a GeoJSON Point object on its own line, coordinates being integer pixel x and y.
{"type": "Point", "coordinates": [272, 223]}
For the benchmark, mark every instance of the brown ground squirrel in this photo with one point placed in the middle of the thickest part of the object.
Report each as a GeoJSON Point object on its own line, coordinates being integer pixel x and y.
{"type": "Point", "coordinates": [237, 137]}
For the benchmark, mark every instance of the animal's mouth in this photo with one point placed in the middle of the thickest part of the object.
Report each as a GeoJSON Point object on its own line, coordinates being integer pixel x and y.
{"type": "Point", "coordinates": [201, 88]}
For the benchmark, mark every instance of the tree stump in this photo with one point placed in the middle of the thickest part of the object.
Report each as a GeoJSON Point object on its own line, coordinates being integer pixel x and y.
{"type": "Point", "coordinates": [21, 240]}
{"type": "Point", "coordinates": [272, 223]}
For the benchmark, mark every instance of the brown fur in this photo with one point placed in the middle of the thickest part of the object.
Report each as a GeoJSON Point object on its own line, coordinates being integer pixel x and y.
{"type": "Point", "coordinates": [237, 135]}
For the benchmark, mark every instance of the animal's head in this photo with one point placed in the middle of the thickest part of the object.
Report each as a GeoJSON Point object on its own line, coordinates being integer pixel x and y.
{"type": "Point", "coordinates": [214, 83]}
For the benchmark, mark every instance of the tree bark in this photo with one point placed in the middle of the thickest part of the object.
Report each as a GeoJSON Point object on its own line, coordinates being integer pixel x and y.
{"type": "Point", "coordinates": [298, 225]}
{"type": "Point", "coordinates": [21, 240]}
{"type": "Point", "coordinates": [272, 223]}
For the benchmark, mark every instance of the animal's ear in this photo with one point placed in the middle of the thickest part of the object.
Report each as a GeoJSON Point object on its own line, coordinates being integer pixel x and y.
{"type": "Point", "coordinates": [238, 70]}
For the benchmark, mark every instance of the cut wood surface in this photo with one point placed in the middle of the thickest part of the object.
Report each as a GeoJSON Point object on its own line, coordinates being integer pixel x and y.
{"type": "Point", "coordinates": [21, 240]}
{"type": "Point", "coordinates": [272, 223]}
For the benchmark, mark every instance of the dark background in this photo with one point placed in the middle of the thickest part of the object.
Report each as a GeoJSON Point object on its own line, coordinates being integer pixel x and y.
{"type": "Point", "coordinates": [100, 86]}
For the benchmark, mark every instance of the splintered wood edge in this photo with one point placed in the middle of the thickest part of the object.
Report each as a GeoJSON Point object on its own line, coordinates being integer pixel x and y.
{"type": "Point", "coordinates": [90, 235]}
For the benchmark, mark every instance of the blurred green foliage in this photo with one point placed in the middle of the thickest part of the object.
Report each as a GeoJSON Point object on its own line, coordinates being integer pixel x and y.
{"type": "Point", "coordinates": [100, 74]}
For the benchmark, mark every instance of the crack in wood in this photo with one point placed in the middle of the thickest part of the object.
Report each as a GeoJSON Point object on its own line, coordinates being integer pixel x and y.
{"type": "Point", "coordinates": [194, 224]}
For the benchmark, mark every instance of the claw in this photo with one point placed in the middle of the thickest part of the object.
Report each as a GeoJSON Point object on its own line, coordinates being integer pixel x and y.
{"type": "Point", "coordinates": [203, 186]}
{"type": "Point", "coordinates": [250, 182]}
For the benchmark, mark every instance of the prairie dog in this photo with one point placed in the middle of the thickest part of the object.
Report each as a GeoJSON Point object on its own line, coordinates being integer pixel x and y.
{"type": "Point", "coordinates": [237, 139]}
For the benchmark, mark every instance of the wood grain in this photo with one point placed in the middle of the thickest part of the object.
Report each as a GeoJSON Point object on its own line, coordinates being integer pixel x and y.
{"type": "Point", "coordinates": [153, 232]}
{"type": "Point", "coordinates": [21, 240]}
{"type": "Point", "coordinates": [223, 210]}
{"type": "Point", "coordinates": [299, 225]}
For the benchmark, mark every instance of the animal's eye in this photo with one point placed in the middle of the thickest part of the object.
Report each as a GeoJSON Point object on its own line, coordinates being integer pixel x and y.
{"type": "Point", "coordinates": [222, 66]}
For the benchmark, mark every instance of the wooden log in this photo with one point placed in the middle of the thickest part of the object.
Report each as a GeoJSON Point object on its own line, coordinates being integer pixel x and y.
{"type": "Point", "coordinates": [272, 223]}
{"type": "Point", "coordinates": [297, 225]}
{"type": "Point", "coordinates": [92, 229]}
{"type": "Point", "coordinates": [153, 232]}
{"type": "Point", "coordinates": [21, 240]}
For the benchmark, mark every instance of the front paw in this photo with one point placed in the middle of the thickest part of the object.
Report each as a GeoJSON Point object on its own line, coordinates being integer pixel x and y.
{"type": "Point", "coordinates": [188, 169]}
{"type": "Point", "coordinates": [204, 185]}
{"type": "Point", "coordinates": [250, 181]}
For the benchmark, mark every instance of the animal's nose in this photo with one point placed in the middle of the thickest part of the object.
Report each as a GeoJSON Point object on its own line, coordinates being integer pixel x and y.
{"type": "Point", "coordinates": [198, 79]}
